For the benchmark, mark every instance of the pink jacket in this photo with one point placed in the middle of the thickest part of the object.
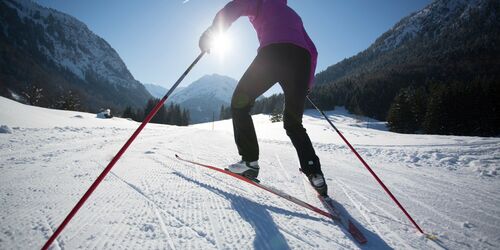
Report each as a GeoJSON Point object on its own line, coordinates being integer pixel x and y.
{"type": "Point", "coordinates": [274, 22]}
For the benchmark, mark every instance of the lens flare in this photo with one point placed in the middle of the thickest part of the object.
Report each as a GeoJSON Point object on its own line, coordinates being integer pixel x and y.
{"type": "Point", "coordinates": [220, 44]}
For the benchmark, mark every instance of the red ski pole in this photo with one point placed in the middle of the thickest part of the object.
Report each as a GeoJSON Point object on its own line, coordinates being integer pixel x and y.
{"type": "Point", "coordinates": [117, 156]}
{"type": "Point", "coordinates": [372, 172]}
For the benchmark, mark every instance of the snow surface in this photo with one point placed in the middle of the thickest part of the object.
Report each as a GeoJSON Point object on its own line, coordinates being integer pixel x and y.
{"type": "Point", "coordinates": [150, 200]}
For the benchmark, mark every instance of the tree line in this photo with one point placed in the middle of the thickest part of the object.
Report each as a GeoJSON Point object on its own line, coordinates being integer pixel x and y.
{"type": "Point", "coordinates": [173, 114]}
{"type": "Point", "coordinates": [272, 105]}
{"type": "Point", "coordinates": [458, 108]}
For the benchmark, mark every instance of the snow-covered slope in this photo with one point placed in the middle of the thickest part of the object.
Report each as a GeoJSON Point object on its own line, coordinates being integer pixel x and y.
{"type": "Point", "coordinates": [449, 184]}
{"type": "Point", "coordinates": [205, 96]}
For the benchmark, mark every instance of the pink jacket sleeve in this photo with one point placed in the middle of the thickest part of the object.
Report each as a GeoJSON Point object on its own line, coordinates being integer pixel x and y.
{"type": "Point", "coordinates": [232, 11]}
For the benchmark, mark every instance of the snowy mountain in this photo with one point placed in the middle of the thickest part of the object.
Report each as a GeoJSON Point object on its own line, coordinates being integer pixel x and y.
{"type": "Point", "coordinates": [51, 50]}
{"type": "Point", "coordinates": [205, 96]}
{"type": "Point", "coordinates": [442, 31]}
{"type": "Point", "coordinates": [450, 185]}
{"type": "Point", "coordinates": [416, 74]}
{"type": "Point", "coordinates": [156, 91]}
{"type": "Point", "coordinates": [430, 22]}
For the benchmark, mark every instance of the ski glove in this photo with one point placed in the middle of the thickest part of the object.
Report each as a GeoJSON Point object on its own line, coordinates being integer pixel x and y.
{"type": "Point", "coordinates": [206, 40]}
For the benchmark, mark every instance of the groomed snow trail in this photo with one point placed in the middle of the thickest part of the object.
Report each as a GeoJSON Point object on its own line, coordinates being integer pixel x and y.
{"type": "Point", "coordinates": [150, 200]}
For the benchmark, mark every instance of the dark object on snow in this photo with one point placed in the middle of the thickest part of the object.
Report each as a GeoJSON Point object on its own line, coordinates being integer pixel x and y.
{"type": "Point", "coordinates": [4, 129]}
{"type": "Point", "coordinates": [105, 114]}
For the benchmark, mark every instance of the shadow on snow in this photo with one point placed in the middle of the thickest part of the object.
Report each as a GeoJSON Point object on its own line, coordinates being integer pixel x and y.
{"type": "Point", "coordinates": [267, 234]}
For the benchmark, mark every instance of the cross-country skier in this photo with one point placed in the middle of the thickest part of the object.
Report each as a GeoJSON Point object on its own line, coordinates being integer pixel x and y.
{"type": "Point", "coordinates": [286, 55]}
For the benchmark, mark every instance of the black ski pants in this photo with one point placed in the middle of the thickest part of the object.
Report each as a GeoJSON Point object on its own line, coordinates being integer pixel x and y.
{"type": "Point", "coordinates": [289, 65]}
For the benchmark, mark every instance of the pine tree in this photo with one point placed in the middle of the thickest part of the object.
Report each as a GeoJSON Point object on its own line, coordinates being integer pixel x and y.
{"type": "Point", "coordinates": [129, 113]}
{"type": "Point", "coordinates": [436, 116]}
{"type": "Point", "coordinates": [161, 115]}
{"type": "Point", "coordinates": [400, 117]}
{"type": "Point", "coordinates": [33, 94]}
{"type": "Point", "coordinates": [69, 101]}
{"type": "Point", "coordinates": [221, 112]}
{"type": "Point", "coordinates": [185, 117]}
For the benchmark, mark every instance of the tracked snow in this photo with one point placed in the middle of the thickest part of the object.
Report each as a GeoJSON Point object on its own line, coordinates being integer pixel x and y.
{"type": "Point", "coordinates": [150, 200]}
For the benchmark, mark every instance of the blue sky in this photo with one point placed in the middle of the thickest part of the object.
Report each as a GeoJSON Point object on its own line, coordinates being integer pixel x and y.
{"type": "Point", "coordinates": [158, 39]}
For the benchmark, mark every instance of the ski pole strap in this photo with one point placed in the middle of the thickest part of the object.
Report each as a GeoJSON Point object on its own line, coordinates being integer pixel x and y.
{"type": "Point", "coordinates": [370, 170]}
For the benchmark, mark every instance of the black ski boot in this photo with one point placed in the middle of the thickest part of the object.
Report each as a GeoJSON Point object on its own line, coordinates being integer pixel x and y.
{"type": "Point", "coordinates": [318, 182]}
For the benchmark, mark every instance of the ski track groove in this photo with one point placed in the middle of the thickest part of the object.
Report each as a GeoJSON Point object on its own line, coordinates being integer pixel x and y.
{"type": "Point", "coordinates": [214, 204]}
{"type": "Point", "coordinates": [360, 209]}
{"type": "Point", "coordinates": [285, 172]}
{"type": "Point", "coordinates": [50, 226]}
{"type": "Point", "coordinates": [149, 200]}
{"type": "Point", "coordinates": [98, 212]}
{"type": "Point", "coordinates": [153, 198]}
{"type": "Point", "coordinates": [158, 215]}
{"type": "Point", "coordinates": [84, 217]}
{"type": "Point", "coordinates": [448, 218]}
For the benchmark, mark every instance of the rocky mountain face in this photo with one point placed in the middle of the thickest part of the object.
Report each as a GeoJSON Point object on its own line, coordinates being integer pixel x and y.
{"type": "Point", "coordinates": [45, 49]}
{"type": "Point", "coordinates": [205, 97]}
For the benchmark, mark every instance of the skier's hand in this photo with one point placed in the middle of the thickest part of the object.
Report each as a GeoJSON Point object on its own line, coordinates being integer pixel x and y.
{"type": "Point", "coordinates": [206, 40]}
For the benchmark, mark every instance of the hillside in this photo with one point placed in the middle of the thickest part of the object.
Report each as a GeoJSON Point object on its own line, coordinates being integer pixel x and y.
{"type": "Point", "coordinates": [447, 51]}
{"type": "Point", "coordinates": [450, 184]}
{"type": "Point", "coordinates": [49, 51]}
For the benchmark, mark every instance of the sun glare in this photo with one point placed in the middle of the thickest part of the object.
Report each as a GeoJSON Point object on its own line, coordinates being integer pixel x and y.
{"type": "Point", "coordinates": [220, 44]}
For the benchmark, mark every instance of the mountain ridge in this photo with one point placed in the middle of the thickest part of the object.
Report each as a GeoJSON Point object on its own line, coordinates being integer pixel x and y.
{"type": "Point", "coordinates": [205, 96]}
{"type": "Point", "coordinates": [54, 51]}
{"type": "Point", "coordinates": [428, 73]}
{"type": "Point", "coordinates": [421, 28]}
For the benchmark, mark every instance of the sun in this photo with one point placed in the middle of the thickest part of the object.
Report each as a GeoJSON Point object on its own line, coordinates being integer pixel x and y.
{"type": "Point", "coordinates": [220, 43]}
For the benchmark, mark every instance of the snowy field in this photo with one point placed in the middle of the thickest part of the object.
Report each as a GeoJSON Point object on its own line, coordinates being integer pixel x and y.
{"type": "Point", "coordinates": [150, 200]}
